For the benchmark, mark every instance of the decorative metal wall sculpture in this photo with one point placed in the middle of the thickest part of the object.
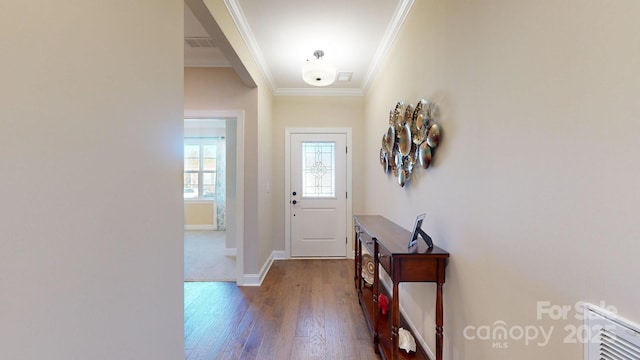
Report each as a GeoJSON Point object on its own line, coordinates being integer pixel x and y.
{"type": "Point", "coordinates": [410, 140]}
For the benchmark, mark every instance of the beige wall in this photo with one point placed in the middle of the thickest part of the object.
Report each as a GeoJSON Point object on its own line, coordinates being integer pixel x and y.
{"type": "Point", "coordinates": [534, 189]}
{"type": "Point", "coordinates": [258, 235]}
{"type": "Point", "coordinates": [231, 158]}
{"type": "Point", "coordinates": [257, 156]}
{"type": "Point", "coordinates": [91, 213]}
{"type": "Point", "coordinates": [218, 89]}
{"type": "Point", "coordinates": [264, 155]}
{"type": "Point", "coordinates": [313, 112]}
{"type": "Point", "coordinates": [199, 213]}
{"type": "Point", "coordinates": [208, 90]}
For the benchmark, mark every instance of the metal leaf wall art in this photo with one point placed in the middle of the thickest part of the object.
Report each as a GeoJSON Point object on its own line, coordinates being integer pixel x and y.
{"type": "Point", "coordinates": [411, 139]}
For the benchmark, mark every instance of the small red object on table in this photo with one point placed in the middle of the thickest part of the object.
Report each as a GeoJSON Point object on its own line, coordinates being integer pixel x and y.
{"type": "Point", "coordinates": [383, 303]}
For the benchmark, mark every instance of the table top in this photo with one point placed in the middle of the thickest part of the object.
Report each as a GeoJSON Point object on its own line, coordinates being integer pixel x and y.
{"type": "Point", "coordinates": [395, 238]}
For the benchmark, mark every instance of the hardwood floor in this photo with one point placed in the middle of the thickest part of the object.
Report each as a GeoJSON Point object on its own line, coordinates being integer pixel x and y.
{"type": "Point", "coordinates": [305, 309]}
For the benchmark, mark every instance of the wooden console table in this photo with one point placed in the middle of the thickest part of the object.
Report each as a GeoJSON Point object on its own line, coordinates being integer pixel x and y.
{"type": "Point", "coordinates": [387, 243]}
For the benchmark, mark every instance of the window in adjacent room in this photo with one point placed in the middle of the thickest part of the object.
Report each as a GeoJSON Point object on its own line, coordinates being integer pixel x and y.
{"type": "Point", "coordinates": [200, 168]}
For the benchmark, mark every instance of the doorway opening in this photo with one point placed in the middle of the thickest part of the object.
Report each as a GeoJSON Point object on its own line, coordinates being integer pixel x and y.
{"type": "Point", "coordinates": [213, 183]}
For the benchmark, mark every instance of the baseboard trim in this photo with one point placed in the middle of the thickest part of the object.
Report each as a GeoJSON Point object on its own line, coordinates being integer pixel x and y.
{"type": "Point", "coordinates": [257, 279]}
{"type": "Point", "coordinates": [230, 252]}
{"type": "Point", "coordinates": [200, 227]}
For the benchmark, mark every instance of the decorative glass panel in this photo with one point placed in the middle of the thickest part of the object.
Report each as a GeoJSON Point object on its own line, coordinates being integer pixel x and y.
{"type": "Point", "coordinates": [318, 169]}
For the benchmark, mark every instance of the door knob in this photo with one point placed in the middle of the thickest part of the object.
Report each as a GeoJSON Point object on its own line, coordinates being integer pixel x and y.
{"type": "Point", "coordinates": [294, 193]}
{"type": "Point", "coordinates": [294, 202]}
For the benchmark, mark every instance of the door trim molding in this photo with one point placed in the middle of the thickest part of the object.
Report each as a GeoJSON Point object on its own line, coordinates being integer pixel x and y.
{"type": "Point", "coordinates": [287, 183]}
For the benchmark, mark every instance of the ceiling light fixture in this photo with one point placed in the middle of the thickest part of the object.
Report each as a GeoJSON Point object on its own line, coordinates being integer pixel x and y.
{"type": "Point", "coordinates": [318, 72]}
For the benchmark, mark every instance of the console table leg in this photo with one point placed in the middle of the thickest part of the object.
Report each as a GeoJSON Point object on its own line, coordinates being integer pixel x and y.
{"type": "Point", "coordinates": [356, 261]}
{"type": "Point", "coordinates": [439, 322]}
{"type": "Point", "coordinates": [395, 320]}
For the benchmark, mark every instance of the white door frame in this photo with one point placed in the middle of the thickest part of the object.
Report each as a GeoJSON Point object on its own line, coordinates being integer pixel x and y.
{"type": "Point", "coordinates": [287, 183]}
{"type": "Point", "coordinates": [238, 116]}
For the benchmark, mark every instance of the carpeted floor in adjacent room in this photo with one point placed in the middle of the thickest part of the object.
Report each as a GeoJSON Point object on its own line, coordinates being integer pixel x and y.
{"type": "Point", "coordinates": [204, 258]}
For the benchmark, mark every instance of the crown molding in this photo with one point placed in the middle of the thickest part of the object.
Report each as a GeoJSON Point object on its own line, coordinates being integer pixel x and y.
{"type": "Point", "coordinates": [402, 11]}
{"type": "Point", "coordinates": [247, 35]}
{"type": "Point", "coordinates": [390, 35]}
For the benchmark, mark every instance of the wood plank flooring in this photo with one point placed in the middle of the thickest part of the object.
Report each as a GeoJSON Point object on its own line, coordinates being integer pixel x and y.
{"type": "Point", "coordinates": [305, 309]}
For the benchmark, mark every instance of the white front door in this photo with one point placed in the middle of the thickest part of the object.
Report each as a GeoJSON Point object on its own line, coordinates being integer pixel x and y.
{"type": "Point", "coordinates": [318, 195]}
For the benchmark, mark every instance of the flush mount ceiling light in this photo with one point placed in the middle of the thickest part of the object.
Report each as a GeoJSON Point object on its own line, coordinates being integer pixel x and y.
{"type": "Point", "coordinates": [318, 72]}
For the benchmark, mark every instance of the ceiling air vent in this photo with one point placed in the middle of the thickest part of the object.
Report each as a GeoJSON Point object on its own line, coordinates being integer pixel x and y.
{"type": "Point", "coordinates": [344, 76]}
{"type": "Point", "coordinates": [199, 42]}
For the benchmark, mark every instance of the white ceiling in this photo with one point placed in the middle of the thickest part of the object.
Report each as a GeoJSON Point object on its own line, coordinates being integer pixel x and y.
{"type": "Point", "coordinates": [355, 35]}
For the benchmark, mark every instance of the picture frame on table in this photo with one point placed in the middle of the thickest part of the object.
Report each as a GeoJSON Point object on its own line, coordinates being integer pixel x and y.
{"type": "Point", "coordinates": [418, 232]}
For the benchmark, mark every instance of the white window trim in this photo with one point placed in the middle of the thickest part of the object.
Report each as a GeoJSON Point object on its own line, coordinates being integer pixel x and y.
{"type": "Point", "coordinates": [201, 142]}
